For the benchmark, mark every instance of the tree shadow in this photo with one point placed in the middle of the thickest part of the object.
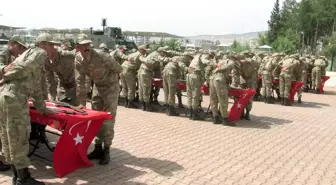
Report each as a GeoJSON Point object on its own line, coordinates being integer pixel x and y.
{"type": "Point", "coordinates": [262, 122]}
{"type": "Point", "coordinates": [122, 169]}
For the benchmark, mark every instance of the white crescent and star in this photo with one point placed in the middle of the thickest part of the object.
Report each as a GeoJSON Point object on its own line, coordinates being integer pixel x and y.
{"type": "Point", "coordinates": [79, 139]}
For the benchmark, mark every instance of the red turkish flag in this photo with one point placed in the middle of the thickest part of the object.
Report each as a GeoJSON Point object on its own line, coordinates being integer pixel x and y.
{"type": "Point", "coordinates": [324, 79]}
{"type": "Point", "coordinates": [296, 85]}
{"type": "Point", "coordinates": [244, 96]}
{"type": "Point", "coordinates": [71, 149]}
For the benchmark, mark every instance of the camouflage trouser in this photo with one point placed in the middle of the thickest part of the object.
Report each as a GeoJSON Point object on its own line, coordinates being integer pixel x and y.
{"type": "Point", "coordinates": [106, 101]}
{"type": "Point", "coordinates": [15, 129]}
{"type": "Point", "coordinates": [145, 85]}
{"type": "Point", "coordinates": [266, 88]}
{"type": "Point", "coordinates": [316, 77]}
{"type": "Point", "coordinates": [194, 83]}
{"type": "Point", "coordinates": [248, 83]}
{"type": "Point", "coordinates": [285, 84]}
{"type": "Point", "coordinates": [88, 83]}
{"type": "Point", "coordinates": [304, 79]}
{"type": "Point", "coordinates": [169, 87]}
{"type": "Point", "coordinates": [219, 95]}
{"type": "Point", "coordinates": [128, 80]}
{"type": "Point", "coordinates": [67, 91]}
{"type": "Point", "coordinates": [157, 74]}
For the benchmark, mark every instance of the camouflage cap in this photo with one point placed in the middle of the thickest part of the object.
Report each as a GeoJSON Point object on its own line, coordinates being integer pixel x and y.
{"type": "Point", "coordinates": [190, 49]}
{"type": "Point", "coordinates": [211, 52]}
{"type": "Point", "coordinates": [123, 47]}
{"type": "Point", "coordinates": [240, 56]}
{"type": "Point", "coordinates": [260, 53]}
{"type": "Point", "coordinates": [302, 58]}
{"type": "Point", "coordinates": [19, 40]}
{"type": "Point", "coordinates": [282, 54]}
{"type": "Point", "coordinates": [103, 46]}
{"type": "Point", "coordinates": [83, 39]}
{"type": "Point", "coordinates": [296, 55]}
{"type": "Point", "coordinates": [188, 54]}
{"type": "Point", "coordinates": [275, 54]}
{"type": "Point", "coordinates": [142, 47]}
{"type": "Point", "coordinates": [46, 37]}
{"type": "Point", "coordinates": [220, 53]}
{"type": "Point", "coordinates": [245, 52]}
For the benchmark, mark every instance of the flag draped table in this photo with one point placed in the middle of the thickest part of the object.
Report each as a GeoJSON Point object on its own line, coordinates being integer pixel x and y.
{"type": "Point", "coordinates": [78, 131]}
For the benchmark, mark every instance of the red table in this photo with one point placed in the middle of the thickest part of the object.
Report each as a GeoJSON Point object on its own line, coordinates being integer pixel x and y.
{"type": "Point", "coordinates": [78, 131]}
{"type": "Point", "coordinates": [243, 95]}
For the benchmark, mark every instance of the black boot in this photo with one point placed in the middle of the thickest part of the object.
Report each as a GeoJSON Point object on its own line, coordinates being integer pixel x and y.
{"type": "Point", "coordinates": [217, 120]}
{"type": "Point", "coordinates": [143, 106]}
{"type": "Point", "coordinates": [180, 104]}
{"type": "Point", "coordinates": [15, 175]}
{"type": "Point", "coordinates": [136, 98]}
{"type": "Point", "coordinates": [287, 102]}
{"type": "Point", "coordinates": [277, 91]}
{"type": "Point", "coordinates": [24, 178]}
{"type": "Point", "coordinates": [4, 167]}
{"type": "Point", "coordinates": [131, 105]}
{"type": "Point", "coordinates": [156, 101]}
{"type": "Point", "coordinates": [172, 111]}
{"type": "Point", "coordinates": [299, 100]}
{"type": "Point", "coordinates": [105, 159]}
{"type": "Point", "coordinates": [269, 100]}
{"type": "Point", "coordinates": [190, 114]}
{"type": "Point", "coordinates": [196, 115]}
{"type": "Point", "coordinates": [149, 107]}
{"type": "Point", "coordinates": [227, 122]}
{"type": "Point", "coordinates": [247, 115]}
{"type": "Point", "coordinates": [97, 153]}
{"type": "Point", "coordinates": [282, 101]}
{"type": "Point", "coordinates": [242, 116]}
{"type": "Point", "coordinates": [317, 91]}
{"type": "Point", "coordinates": [305, 89]}
{"type": "Point", "coordinates": [126, 102]}
{"type": "Point", "coordinates": [264, 99]}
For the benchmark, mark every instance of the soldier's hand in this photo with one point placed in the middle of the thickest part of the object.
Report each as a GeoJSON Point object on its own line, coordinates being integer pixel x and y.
{"type": "Point", "coordinates": [81, 107]}
{"type": "Point", "coordinates": [205, 84]}
{"type": "Point", "coordinates": [130, 59]}
{"type": "Point", "coordinates": [50, 112]}
{"type": "Point", "coordinates": [8, 68]}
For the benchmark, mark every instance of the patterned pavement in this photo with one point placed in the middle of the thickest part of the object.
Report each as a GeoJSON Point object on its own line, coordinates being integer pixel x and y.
{"type": "Point", "coordinates": [281, 146]}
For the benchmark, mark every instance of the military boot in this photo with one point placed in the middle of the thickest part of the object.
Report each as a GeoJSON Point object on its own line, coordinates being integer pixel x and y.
{"type": "Point", "coordinates": [172, 111]}
{"type": "Point", "coordinates": [97, 153]}
{"type": "Point", "coordinates": [126, 102]}
{"type": "Point", "coordinates": [299, 100]}
{"type": "Point", "coordinates": [269, 100]}
{"type": "Point", "coordinates": [136, 98]}
{"type": "Point", "coordinates": [190, 113]}
{"type": "Point", "coordinates": [242, 116]}
{"type": "Point", "coordinates": [317, 91]}
{"type": "Point", "coordinates": [305, 89]}
{"type": "Point", "coordinates": [247, 115]}
{"type": "Point", "coordinates": [105, 159]}
{"type": "Point", "coordinates": [196, 115]}
{"type": "Point", "coordinates": [287, 102]}
{"type": "Point", "coordinates": [143, 106]}
{"type": "Point", "coordinates": [264, 99]}
{"type": "Point", "coordinates": [217, 119]}
{"type": "Point", "coordinates": [15, 175]}
{"type": "Point", "coordinates": [132, 105]}
{"type": "Point", "coordinates": [277, 91]}
{"type": "Point", "coordinates": [156, 101]}
{"type": "Point", "coordinates": [282, 101]}
{"type": "Point", "coordinates": [149, 107]}
{"type": "Point", "coordinates": [179, 100]}
{"type": "Point", "coordinates": [4, 167]}
{"type": "Point", "coordinates": [24, 178]}
{"type": "Point", "coordinates": [227, 122]}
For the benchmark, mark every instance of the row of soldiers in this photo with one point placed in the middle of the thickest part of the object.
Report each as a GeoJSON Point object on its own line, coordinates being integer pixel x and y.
{"type": "Point", "coordinates": [66, 75]}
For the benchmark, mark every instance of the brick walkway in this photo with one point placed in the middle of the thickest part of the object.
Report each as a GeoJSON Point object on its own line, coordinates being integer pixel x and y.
{"type": "Point", "coordinates": [281, 145]}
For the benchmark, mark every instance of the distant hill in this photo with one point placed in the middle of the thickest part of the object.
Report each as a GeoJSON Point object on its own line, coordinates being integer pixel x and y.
{"type": "Point", "coordinates": [228, 38]}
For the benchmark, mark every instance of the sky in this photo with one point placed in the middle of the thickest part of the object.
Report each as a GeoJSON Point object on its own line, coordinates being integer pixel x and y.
{"type": "Point", "coordinates": [179, 17]}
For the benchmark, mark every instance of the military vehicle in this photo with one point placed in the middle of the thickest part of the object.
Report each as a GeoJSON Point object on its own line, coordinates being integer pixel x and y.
{"type": "Point", "coordinates": [3, 44]}
{"type": "Point", "coordinates": [111, 36]}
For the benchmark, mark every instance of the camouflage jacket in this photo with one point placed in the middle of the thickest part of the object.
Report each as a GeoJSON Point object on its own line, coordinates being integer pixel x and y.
{"type": "Point", "coordinates": [5, 59]}
{"type": "Point", "coordinates": [100, 67]}
{"type": "Point", "coordinates": [119, 56]}
{"type": "Point", "coordinates": [24, 79]}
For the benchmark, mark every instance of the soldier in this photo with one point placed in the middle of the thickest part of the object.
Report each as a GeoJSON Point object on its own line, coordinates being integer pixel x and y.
{"type": "Point", "coordinates": [171, 74]}
{"type": "Point", "coordinates": [128, 77]}
{"type": "Point", "coordinates": [219, 90]}
{"type": "Point", "coordinates": [25, 75]}
{"type": "Point", "coordinates": [287, 74]}
{"type": "Point", "coordinates": [276, 74]}
{"type": "Point", "coordinates": [103, 70]}
{"type": "Point", "coordinates": [7, 56]}
{"type": "Point", "coordinates": [248, 77]}
{"type": "Point", "coordinates": [266, 70]}
{"type": "Point", "coordinates": [195, 79]}
{"type": "Point", "coordinates": [300, 74]}
{"type": "Point", "coordinates": [259, 60]}
{"type": "Point", "coordinates": [104, 48]}
{"type": "Point", "coordinates": [183, 65]}
{"type": "Point", "coordinates": [119, 56]}
{"type": "Point", "coordinates": [145, 77]}
{"type": "Point", "coordinates": [61, 68]}
{"type": "Point", "coordinates": [319, 66]}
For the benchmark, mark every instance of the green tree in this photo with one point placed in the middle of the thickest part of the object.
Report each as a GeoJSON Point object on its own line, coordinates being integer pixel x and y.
{"type": "Point", "coordinates": [288, 43]}
{"type": "Point", "coordinates": [329, 50]}
{"type": "Point", "coordinates": [237, 47]}
{"type": "Point", "coordinates": [262, 39]}
{"type": "Point", "coordinates": [274, 23]}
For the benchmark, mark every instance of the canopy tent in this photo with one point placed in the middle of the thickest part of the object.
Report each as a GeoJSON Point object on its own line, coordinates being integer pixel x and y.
{"type": "Point", "coordinates": [265, 47]}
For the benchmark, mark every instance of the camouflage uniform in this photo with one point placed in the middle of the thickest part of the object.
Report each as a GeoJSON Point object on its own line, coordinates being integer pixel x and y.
{"type": "Point", "coordinates": [119, 56]}
{"type": "Point", "coordinates": [286, 76]}
{"type": "Point", "coordinates": [266, 70]}
{"type": "Point", "coordinates": [103, 70]}
{"type": "Point", "coordinates": [62, 68]}
{"type": "Point", "coordinates": [319, 65]}
{"type": "Point", "coordinates": [20, 82]}
{"type": "Point", "coordinates": [219, 90]}
{"type": "Point", "coordinates": [300, 74]}
{"type": "Point", "coordinates": [170, 75]}
{"type": "Point", "coordinates": [258, 61]}
{"type": "Point", "coordinates": [195, 79]}
{"type": "Point", "coordinates": [128, 78]}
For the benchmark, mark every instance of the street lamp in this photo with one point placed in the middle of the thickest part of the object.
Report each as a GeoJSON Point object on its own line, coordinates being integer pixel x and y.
{"type": "Point", "coordinates": [302, 42]}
